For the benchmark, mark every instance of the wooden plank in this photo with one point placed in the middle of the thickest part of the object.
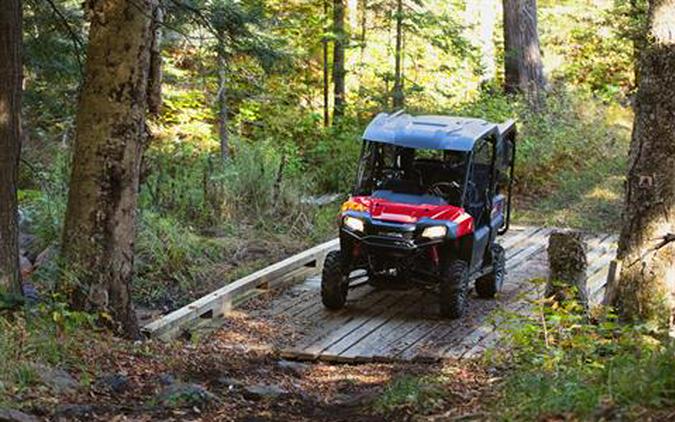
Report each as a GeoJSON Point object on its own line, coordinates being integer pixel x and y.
{"type": "Point", "coordinates": [369, 347]}
{"type": "Point", "coordinates": [394, 341]}
{"type": "Point", "coordinates": [334, 350]}
{"type": "Point", "coordinates": [512, 240]}
{"type": "Point", "coordinates": [342, 323]}
{"type": "Point", "coordinates": [220, 301]}
{"type": "Point", "coordinates": [432, 345]}
{"type": "Point", "coordinates": [375, 347]}
{"type": "Point", "coordinates": [531, 247]}
{"type": "Point", "coordinates": [597, 280]}
{"type": "Point", "coordinates": [474, 338]}
{"type": "Point", "coordinates": [418, 340]}
{"type": "Point", "coordinates": [432, 339]}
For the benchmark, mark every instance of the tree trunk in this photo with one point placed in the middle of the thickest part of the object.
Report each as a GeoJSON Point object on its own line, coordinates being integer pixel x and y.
{"type": "Point", "coordinates": [110, 138]}
{"type": "Point", "coordinates": [223, 111]}
{"type": "Point", "coordinates": [326, 76]}
{"type": "Point", "coordinates": [399, 98]}
{"type": "Point", "coordinates": [10, 144]}
{"type": "Point", "coordinates": [645, 288]}
{"type": "Point", "coordinates": [155, 75]}
{"type": "Point", "coordinates": [364, 27]}
{"type": "Point", "coordinates": [523, 69]}
{"type": "Point", "coordinates": [339, 58]}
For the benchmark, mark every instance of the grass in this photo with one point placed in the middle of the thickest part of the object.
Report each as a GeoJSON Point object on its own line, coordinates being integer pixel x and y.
{"type": "Point", "coordinates": [588, 199]}
{"type": "Point", "coordinates": [47, 335]}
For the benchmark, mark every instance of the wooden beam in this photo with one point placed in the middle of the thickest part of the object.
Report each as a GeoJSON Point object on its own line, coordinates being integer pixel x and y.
{"type": "Point", "coordinates": [219, 302]}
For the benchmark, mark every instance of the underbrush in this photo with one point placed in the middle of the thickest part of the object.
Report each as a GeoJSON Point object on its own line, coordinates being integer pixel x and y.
{"type": "Point", "coordinates": [35, 338]}
{"type": "Point", "coordinates": [571, 156]}
{"type": "Point", "coordinates": [559, 365]}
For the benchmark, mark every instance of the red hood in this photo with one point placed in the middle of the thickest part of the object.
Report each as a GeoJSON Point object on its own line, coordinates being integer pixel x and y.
{"type": "Point", "coordinates": [382, 209]}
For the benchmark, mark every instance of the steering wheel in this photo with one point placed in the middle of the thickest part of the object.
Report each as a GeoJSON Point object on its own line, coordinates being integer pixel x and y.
{"type": "Point", "coordinates": [388, 173]}
{"type": "Point", "coordinates": [445, 189]}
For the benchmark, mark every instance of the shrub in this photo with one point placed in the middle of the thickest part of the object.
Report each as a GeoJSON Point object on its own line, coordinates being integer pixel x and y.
{"type": "Point", "coordinates": [169, 258]}
{"type": "Point", "coordinates": [561, 364]}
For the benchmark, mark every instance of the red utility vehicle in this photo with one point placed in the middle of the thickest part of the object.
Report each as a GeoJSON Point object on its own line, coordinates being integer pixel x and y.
{"type": "Point", "coordinates": [431, 197]}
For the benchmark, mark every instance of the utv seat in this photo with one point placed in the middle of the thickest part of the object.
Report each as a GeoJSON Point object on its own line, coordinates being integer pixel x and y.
{"type": "Point", "coordinates": [403, 186]}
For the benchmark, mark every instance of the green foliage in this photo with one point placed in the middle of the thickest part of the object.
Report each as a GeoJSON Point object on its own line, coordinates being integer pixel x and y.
{"type": "Point", "coordinates": [561, 365]}
{"type": "Point", "coordinates": [570, 156]}
{"type": "Point", "coordinates": [590, 44]}
{"type": "Point", "coordinates": [334, 159]}
{"type": "Point", "coordinates": [45, 207]}
{"type": "Point", "coordinates": [49, 334]}
{"type": "Point", "coordinates": [169, 258]}
{"type": "Point", "coordinates": [53, 61]}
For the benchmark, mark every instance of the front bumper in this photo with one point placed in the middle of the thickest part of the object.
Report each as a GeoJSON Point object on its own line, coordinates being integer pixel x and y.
{"type": "Point", "coordinates": [393, 239]}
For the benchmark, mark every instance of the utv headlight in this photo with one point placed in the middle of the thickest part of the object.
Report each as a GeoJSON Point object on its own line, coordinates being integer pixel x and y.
{"type": "Point", "coordinates": [353, 223]}
{"type": "Point", "coordinates": [435, 232]}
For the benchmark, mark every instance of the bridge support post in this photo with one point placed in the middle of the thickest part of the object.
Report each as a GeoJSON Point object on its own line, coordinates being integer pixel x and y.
{"type": "Point", "coordinates": [568, 264]}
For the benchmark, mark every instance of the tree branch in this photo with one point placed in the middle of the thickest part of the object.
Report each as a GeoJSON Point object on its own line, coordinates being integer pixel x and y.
{"type": "Point", "coordinates": [77, 42]}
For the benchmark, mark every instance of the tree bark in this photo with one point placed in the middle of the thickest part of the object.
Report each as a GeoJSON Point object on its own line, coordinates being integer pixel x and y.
{"type": "Point", "coordinates": [10, 144]}
{"type": "Point", "coordinates": [155, 76]}
{"type": "Point", "coordinates": [523, 69]}
{"type": "Point", "coordinates": [99, 232]}
{"type": "Point", "coordinates": [326, 76]}
{"type": "Point", "coordinates": [645, 289]}
{"type": "Point", "coordinates": [339, 59]}
{"type": "Point", "coordinates": [398, 97]}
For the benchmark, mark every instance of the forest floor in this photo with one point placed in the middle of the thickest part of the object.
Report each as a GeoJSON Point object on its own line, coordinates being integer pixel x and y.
{"type": "Point", "coordinates": [211, 380]}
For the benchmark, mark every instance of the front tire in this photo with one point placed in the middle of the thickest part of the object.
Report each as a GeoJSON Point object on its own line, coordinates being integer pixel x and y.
{"type": "Point", "coordinates": [488, 285]}
{"type": "Point", "coordinates": [334, 285]}
{"type": "Point", "coordinates": [453, 290]}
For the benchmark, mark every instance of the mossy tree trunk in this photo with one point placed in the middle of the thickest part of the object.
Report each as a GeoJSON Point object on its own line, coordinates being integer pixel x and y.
{"type": "Point", "coordinates": [110, 138]}
{"type": "Point", "coordinates": [645, 289]}
{"type": "Point", "coordinates": [10, 144]}
{"type": "Point", "coordinates": [523, 69]}
{"type": "Point", "coordinates": [339, 58]}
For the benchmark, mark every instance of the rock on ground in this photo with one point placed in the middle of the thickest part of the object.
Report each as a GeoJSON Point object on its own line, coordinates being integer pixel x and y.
{"type": "Point", "coordinates": [257, 392]}
{"type": "Point", "coordinates": [294, 368]}
{"type": "Point", "coordinates": [11, 415]}
{"type": "Point", "coordinates": [115, 383]}
{"type": "Point", "coordinates": [179, 395]}
{"type": "Point", "coordinates": [58, 380]}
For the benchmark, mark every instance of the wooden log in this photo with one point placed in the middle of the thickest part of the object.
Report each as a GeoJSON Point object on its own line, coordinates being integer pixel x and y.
{"type": "Point", "coordinates": [568, 264]}
{"type": "Point", "coordinates": [219, 302]}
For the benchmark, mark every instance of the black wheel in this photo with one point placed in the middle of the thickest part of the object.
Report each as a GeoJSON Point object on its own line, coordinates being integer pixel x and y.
{"type": "Point", "coordinates": [488, 285]}
{"type": "Point", "coordinates": [453, 289]}
{"type": "Point", "coordinates": [334, 284]}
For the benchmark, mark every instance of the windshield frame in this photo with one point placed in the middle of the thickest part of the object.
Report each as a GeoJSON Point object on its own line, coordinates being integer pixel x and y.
{"type": "Point", "coordinates": [371, 163]}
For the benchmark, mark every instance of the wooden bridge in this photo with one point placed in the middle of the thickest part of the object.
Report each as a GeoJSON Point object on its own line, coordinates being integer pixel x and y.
{"type": "Point", "coordinates": [397, 323]}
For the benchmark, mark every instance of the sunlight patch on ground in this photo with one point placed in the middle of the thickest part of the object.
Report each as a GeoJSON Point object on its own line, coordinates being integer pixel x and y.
{"type": "Point", "coordinates": [603, 193]}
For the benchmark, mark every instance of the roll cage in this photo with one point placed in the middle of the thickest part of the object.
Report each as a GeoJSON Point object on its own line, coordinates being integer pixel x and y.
{"type": "Point", "coordinates": [399, 155]}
